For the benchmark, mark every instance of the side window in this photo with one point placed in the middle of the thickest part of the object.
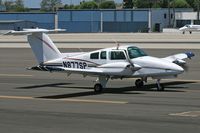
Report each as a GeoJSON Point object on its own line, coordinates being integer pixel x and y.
{"type": "Point", "coordinates": [165, 16]}
{"type": "Point", "coordinates": [117, 55]}
{"type": "Point", "coordinates": [103, 55]}
{"type": "Point", "coordinates": [94, 55]}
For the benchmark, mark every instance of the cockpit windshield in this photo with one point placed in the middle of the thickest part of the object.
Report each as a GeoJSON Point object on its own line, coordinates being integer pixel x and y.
{"type": "Point", "coordinates": [135, 52]}
{"type": "Point", "coordinates": [187, 25]}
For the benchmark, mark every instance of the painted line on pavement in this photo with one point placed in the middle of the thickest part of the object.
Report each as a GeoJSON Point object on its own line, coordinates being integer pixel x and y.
{"type": "Point", "coordinates": [66, 100]}
{"type": "Point", "coordinates": [15, 75]}
{"type": "Point", "coordinates": [94, 101]}
{"type": "Point", "coordinates": [187, 114]}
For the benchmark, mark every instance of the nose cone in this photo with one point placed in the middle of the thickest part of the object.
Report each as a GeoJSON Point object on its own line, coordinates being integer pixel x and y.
{"type": "Point", "coordinates": [182, 28]}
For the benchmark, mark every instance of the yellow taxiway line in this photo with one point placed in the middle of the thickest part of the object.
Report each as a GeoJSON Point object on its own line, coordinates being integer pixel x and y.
{"type": "Point", "coordinates": [16, 97]}
{"type": "Point", "coordinates": [66, 100]}
{"type": "Point", "coordinates": [187, 114]}
{"type": "Point", "coordinates": [183, 80]}
{"type": "Point", "coordinates": [15, 75]}
{"type": "Point", "coordinates": [93, 101]}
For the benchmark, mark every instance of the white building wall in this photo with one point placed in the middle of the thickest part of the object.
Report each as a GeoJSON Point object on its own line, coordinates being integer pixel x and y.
{"type": "Point", "coordinates": [186, 16]}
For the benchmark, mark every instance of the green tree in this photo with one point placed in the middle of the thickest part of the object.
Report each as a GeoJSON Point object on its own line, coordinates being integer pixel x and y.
{"type": "Point", "coordinates": [107, 5]}
{"type": "Point", "coordinates": [164, 3]}
{"type": "Point", "coordinates": [89, 5]}
{"type": "Point", "coordinates": [99, 1]}
{"type": "Point", "coordinates": [150, 3]}
{"type": "Point", "coordinates": [127, 4]}
{"type": "Point", "coordinates": [49, 5]}
{"type": "Point", "coordinates": [194, 4]}
{"type": "Point", "coordinates": [180, 4]}
{"type": "Point", "coordinates": [19, 6]}
{"type": "Point", "coordinates": [9, 5]}
{"type": "Point", "coordinates": [19, 3]}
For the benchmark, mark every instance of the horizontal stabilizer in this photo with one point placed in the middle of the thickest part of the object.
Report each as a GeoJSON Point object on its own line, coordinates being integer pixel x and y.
{"type": "Point", "coordinates": [30, 31]}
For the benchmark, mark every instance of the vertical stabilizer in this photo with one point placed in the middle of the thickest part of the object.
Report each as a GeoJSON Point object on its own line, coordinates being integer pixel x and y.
{"type": "Point", "coordinates": [43, 47]}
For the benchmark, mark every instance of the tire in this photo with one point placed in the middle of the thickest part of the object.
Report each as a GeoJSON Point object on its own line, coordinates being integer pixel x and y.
{"type": "Point", "coordinates": [139, 83]}
{"type": "Point", "coordinates": [98, 88]}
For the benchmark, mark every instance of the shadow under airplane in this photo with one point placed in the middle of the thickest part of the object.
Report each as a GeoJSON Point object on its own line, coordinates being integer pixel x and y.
{"type": "Point", "coordinates": [123, 90]}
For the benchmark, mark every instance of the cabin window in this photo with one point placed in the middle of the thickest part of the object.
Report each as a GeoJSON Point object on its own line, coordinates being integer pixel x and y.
{"type": "Point", "coordinates": [94, 55]}
{"type": "Point", "coordinates": [117, 55]}
{"type": "Point", "coordinates": [103, 55]}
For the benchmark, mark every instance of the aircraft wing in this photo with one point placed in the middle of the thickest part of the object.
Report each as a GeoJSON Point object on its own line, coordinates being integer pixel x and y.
{"type": "Point", "coordinates": [92, 71]}
{"type": "Point", "coordinates": [179, 58]}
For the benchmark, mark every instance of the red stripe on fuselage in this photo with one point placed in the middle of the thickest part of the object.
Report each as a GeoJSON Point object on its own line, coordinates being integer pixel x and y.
{"type": "Point", "coordinates": [47, 44]}
{"type": "Point", "coordinates": [81, 60]}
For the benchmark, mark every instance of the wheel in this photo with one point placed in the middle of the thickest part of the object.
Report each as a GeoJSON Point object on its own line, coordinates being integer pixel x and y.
{"type": "Point", "coordinates": [98, 88]}
{"type": "Point", "coordinates": [183, 32]}
{"type": "Point", "coordinates": [160, 88]}
{"type": "Point", "coordinates": [190, 32]}
{"type": "Point", "coordinates": [139, 83]}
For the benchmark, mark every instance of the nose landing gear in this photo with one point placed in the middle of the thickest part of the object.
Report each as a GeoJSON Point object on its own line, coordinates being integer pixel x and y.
{"type": "Point", "coordinates": [139, 83]}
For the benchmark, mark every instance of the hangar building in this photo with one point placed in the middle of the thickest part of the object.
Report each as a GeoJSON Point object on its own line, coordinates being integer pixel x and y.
{"type": "Point", "coordinates": [113, 20]}
{"type": "Point", "coordinates": [16, 24]}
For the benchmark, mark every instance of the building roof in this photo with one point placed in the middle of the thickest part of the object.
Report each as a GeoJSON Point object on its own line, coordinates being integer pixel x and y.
{"type": "Point", "coordinates": [12, 21]}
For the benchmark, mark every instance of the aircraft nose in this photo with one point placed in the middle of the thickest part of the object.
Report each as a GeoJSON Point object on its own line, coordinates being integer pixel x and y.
{"type": "Point", "coordinates": [182, 28]}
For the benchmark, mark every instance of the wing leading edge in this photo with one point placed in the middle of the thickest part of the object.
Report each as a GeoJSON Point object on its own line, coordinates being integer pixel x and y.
{"type": "Point", "coordinates": [179, 58]}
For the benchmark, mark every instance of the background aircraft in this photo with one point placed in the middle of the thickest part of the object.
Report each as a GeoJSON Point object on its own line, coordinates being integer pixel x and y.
{"type": "Point", "coordinates": [190, 28]}
{"type": "Point", "coordinates": [110, 63]}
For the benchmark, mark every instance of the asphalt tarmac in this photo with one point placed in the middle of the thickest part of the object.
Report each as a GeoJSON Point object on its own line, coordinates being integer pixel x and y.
{"type": "Point", "coordinates": [42, 102]}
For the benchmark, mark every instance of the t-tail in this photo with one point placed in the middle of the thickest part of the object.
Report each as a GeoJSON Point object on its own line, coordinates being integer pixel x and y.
{"type": "Point", "coordinates": [43, 47]}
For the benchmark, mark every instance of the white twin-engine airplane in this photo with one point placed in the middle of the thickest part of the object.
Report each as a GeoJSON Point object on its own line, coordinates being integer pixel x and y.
{"type": "Point", "coordinates": [190, 28]}
{"type": "Point", "coordinates": [111, 63]}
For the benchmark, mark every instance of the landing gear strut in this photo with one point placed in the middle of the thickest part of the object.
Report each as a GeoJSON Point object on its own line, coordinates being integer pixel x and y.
{"type": "Point", "coordinates": [139, 83]}
{"type": "Point", "coordinates": [101, 84]}
{"type": "Point", "coordinates": [159, 86]}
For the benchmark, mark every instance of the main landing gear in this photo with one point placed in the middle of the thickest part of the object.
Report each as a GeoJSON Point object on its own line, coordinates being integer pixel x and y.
{"type": "Point", "coordinates": [139, 83]}
{"type": "Point", "coordinates": [98, 88]}
{"type": "Point", "coordinates": [101, 84]}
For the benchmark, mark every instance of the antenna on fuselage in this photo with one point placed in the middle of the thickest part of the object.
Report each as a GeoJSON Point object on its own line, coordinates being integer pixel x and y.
{"type": "Point", "coordinates": [117, 44]}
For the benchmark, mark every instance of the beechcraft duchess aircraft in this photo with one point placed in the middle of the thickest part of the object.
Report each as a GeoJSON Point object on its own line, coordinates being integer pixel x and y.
{"type": "Point", "coordinates": [190, 28]}
{"type": "Point", "coordinates": [110, 63]}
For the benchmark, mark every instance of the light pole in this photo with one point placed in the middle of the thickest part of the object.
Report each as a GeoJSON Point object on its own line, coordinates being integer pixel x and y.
{"type": "Point", "coordinates": [150, 17]}
{"type": "Point", "coordinates": [198, 11]}
{"type": "Point", "coordinates": [169, 14]}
